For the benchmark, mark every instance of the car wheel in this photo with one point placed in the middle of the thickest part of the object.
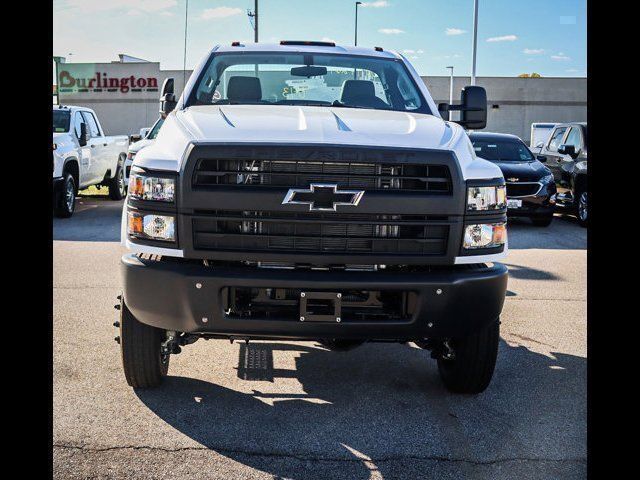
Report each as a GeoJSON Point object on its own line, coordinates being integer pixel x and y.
{"type": "Point", "coordinates": [583, 209]}
{"type": "Point", "coordinates": [117, 185]}
{"type": "Point", "coordinates": [65, 202]}
{"type": "Point", "coordinates": [471, 367]}
{"type": "Point", "coordinates": [145, 366]}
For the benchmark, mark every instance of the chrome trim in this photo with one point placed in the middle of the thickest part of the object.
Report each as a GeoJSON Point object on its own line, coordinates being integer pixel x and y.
{"type": "Point", "coordinates": [526, 183]}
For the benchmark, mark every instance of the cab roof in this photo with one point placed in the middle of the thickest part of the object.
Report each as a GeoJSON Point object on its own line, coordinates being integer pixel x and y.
{"type": "Point", "coordinates": [277, 47]}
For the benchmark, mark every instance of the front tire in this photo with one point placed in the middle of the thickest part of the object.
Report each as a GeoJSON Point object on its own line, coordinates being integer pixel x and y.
{"type": "Point", "coordinates": [471, 369]}
{"type": "Point", "coordinates": [144, 365]}
{"type": "Point", "coordinates": [117, 185]}
{"type": "Point", "coordinates": [583, 210]}
{"type": "Point", "coordinates": [65, 199]}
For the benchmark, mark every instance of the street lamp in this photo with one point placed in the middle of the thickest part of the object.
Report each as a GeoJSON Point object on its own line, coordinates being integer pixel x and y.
{"type": "Point", "coordinates": [475, 42]}
{"type": "Point", "coordinates": [450, 89]}
{"type": "Point", "coordinates": [356, 36]}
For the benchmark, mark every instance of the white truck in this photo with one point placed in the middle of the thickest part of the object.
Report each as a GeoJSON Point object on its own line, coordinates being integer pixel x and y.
{"type": "Point", "coordinates": [82, 156]}
{"type": "Point", "coordinates": [147, 139]}
{"type": "Point", "coordinates": [343, 216]}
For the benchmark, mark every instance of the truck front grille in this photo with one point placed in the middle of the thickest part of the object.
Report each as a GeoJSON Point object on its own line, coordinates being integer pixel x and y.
{"type": "Point", "coordinates": [319, 233]}
{"type": "Point", "coordinates": [211, 172]}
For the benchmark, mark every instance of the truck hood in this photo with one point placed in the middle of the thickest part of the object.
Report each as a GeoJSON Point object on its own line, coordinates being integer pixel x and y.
{"type": "Point", "coordinates": [331, 125]}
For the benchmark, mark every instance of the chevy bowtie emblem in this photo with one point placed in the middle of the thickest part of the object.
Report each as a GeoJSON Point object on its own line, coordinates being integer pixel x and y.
{"type": "Point", "coordinates": [322, 197]}
{"type": "Point", "coordinates": [512, 179]}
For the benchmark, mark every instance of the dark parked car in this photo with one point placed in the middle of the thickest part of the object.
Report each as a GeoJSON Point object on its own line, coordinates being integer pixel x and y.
{"type": "Point", "coordinates": [566, 151]}
{"type": "Point", "coordinates": [531, 191]}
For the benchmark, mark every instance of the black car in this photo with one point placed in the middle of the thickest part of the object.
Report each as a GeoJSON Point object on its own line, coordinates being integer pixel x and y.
{"type": "Point", "coordinates": [566, 150]}
{"type": "Point", "coordinates": [531, 191]}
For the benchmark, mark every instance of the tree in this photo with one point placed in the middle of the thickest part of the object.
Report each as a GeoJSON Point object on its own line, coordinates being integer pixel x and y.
{"type": "Point", "coordinates": [530, 75]}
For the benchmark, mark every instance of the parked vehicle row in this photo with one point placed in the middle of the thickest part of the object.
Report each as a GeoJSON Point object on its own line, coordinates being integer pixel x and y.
{"type": "Point", "coordinates": [82, 156]}
{"type": "Point", "coordinates": [147, 139]}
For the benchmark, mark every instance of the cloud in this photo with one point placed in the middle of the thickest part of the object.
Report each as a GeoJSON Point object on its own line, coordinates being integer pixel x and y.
{"type": "Point", "coordinates": [503, 38]}
{"type": "Point", "coordinates": [560, 57]}
{"type": "Point", "coordinates": [377, 4]}
{"type": "Point", "coordinates": [408, 51]}
{"type": "Point", "coordinates": [220, 12]}
{"type": "Point", "coordinates": [390, 31]}
{"type": "Point", "coordinates": [454, 31]}
{"type": "Point", "coordinates": [533, 51]}
{"type": "Point", "coordinates": [419, 51]}
{"type": "Point", "coordinates": [146, 6]}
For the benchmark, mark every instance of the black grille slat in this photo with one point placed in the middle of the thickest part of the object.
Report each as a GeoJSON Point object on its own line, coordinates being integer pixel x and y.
{"type": "Point", "coordinates": [522, 189]}
{"type": "Point", "coordinates": [298, 173]}
{"type": "Point", "coordinates": [255, 231]}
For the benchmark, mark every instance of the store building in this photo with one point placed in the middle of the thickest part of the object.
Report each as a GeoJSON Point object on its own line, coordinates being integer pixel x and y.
{"type": "Point", "coordinates": [125, 95]}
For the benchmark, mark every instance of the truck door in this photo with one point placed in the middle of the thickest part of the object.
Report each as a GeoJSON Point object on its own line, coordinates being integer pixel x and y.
{"type": "Point", "coordinates": [84, 153]}
{"type": "Point", "coordinates": [98, 147]}
{"type": "Point", "coordinates": [551, 151]}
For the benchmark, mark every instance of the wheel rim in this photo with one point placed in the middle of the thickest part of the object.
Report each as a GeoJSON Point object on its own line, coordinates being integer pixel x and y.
{"type": "Point", "coordinates": [582, 207]}
{"type": "Point", "coordinates": [121, 185]}
{"type": "Point", "coordinates": [70, 196]}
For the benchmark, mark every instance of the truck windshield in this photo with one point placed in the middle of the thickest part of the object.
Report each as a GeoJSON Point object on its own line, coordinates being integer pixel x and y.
{"type": "Point", "coordinates": [61, 121]}
{"type": "Point", "coordinates": [502, 151]}
{"type": "Point", "coordinates": [279, 78]}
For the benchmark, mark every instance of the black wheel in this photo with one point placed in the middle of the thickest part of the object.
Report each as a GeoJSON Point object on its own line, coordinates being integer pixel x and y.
{"type": "Point", "coordinates": [117, 185]}
{"type": "Point", "coordinates": [143, 363]}
{"type": "Point", "coordinates": [340, 344]}
{"type": "Point", "coordinates": [542, 221]}
{"type": "Point", "coordinates": [583, 209]}
{"type": "Point", "coordinates": [471, 369]}
{"type": "Point", "coordinates": [65, 199]}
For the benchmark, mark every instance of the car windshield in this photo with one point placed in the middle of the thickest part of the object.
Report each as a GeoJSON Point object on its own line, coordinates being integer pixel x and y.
{"type": "Point", "coordinates": [278, 78]}
{"type": "Point", "coordinates": [153, 133]}
{"type": "Point", "coordinates": [502, 151]}
{"type": "Point", "coordinates": [61, 121]}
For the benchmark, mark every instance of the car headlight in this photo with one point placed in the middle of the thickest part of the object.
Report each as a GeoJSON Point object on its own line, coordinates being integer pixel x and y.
{"type": "Point", "coordinates": [151, 226]}
{"type": "Point", "coordinates": [149, 187]}
{"type": "Point", "coordinates": [487, 198]}
{"type": "Point", "coordinates": [484, 235]}
{"type": "Point", "coordinates": [547, 179]}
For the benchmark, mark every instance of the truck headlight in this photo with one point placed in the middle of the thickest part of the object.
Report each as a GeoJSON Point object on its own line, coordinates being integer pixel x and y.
{"type": "Point", "coordinates": [484, 235]}
{"type": "Point", "coordinates": [149, 187]}
{"type": "Point", "coordinates": [151, 226]}
{"type": "Point", "coordinates": [486, 198]}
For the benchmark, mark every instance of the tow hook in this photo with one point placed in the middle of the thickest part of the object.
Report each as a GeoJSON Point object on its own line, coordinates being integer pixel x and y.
{"type": "Point", "coordinates": [440, 349]}
{"type": "Point", "coordinates": [174, 340]}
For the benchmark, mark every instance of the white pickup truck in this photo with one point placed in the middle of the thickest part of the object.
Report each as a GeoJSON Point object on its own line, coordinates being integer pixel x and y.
{"type": "Point", "coordinates": [84, 156]}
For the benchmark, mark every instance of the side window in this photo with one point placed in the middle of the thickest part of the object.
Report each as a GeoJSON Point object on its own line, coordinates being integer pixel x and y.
{"type": "Point", "coordinates": [556, 138]}
{"type": "Point", "coordinates": [77, 121]}
{"type": "Point", "coordinates": [93, 129]}
{"type": "Point", "coordinates": [574, 138]}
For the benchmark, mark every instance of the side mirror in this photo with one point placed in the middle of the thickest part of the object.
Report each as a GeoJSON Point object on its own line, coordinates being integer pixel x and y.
{"type": "Point", "coordinates": [144, 132]}
{"type": "Point", "coordinates": [168, 99]}
{"type": "Point", "coordinates": [83, 135]}
{"type": "Point", "coordinates": [443, 108]}
{"type": "Point", "coordinates": [473, 114]}
{"type": "Point", "coordinates": [541, 158]}
{"type": "Point", "coordinates": [134, 138]}
{"type": "Point", "coordinates": [567, 150]}
{"type": "Point", "coordinates": [540, 145]}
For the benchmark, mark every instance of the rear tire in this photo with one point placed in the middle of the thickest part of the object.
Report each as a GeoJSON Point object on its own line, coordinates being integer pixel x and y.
{"type": "Point", "coordinates": [475, 359]}
{"type": "Point", "coordinates": [542, 221]}
{"type": "Point", "coordinates": [144, 366]}
{"type": "Point", "coordinates": [583, 210]}
{"type": "Point", "coordinates": [65, 198]}
{"type": "Point", "coordinates": [117, 185]}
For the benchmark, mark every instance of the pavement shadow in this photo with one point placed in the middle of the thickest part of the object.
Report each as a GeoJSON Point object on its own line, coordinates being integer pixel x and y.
{"type": "Point", "coordinates": [380, 411]}
{"type": "Point", "coordinates": [529, 273]}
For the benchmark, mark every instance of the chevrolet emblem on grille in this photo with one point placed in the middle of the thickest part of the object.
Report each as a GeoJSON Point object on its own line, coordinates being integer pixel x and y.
{"type": "Point", "coordinates": [513, 179]}
{"type": "Point", "coordinates": [322, 197]}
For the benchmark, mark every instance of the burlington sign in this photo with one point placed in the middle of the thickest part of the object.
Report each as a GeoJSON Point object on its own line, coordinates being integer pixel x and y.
{"type": "Point", "coordinates": [102, 82]}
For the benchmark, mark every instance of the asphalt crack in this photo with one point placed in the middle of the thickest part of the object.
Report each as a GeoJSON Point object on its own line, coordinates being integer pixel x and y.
{"type": "Point", "coordinates": [391, 458]}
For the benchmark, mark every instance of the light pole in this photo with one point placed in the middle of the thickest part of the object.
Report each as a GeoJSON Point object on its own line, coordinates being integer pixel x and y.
{"type": "Point", "coordinates": [356, 36]}
{"type": "Point", "coordinates": [450, 88]}
{"type": "Point", "coordinates": [475, 42]}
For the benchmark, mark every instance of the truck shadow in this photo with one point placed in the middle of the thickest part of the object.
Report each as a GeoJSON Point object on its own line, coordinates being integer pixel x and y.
{"type": "Point", "coordinates": [380, 411]}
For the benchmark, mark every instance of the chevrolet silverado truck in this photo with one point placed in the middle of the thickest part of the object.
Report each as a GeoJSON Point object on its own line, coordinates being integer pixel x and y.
{"type": "Point", "coordinates": [83, 156]}
{"type": "Point", "coordinates": [307, 191]}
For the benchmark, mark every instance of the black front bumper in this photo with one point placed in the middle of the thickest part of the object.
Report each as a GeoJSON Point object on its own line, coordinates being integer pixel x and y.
{"type": "Point", "coordinates": [164, 294]}
{"type": "Point", "coordinates": [535, 206]}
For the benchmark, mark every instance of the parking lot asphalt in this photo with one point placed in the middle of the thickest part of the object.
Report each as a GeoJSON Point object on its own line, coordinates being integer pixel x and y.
{"type": "Point", "coordinates": [295, 410]}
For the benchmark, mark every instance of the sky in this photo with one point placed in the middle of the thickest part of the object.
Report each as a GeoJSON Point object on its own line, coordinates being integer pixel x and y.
{"type": "Point", "coordinates": [548, 37]}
